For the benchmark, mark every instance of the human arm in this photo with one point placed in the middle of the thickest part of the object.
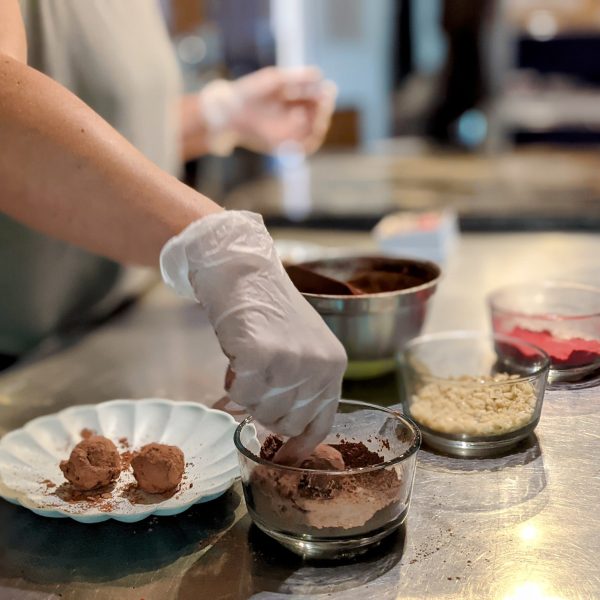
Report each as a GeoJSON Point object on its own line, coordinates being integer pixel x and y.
{"type": "Point", "coordinates": [259, 112]}
{"type": "Point", "coordinates": [67, 173]}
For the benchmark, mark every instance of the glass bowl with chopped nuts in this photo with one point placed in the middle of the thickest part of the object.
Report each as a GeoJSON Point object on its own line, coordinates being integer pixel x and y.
{"type": "Point", "coordinates": [473, 394]}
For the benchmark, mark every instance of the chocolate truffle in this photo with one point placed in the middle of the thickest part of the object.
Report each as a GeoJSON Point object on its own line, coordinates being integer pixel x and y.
{"type": "Point", "coordinates": [324, 458]}
{"type": "Point", "coordinates": [158, 468]}
{"type": "Point", "coordinates": [93, 463]}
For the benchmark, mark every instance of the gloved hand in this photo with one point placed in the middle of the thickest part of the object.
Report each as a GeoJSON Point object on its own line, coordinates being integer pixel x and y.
{"type": "Point", "coordinates": [286, 366]}
{"type": "Point", "coordinates": [267, 108]}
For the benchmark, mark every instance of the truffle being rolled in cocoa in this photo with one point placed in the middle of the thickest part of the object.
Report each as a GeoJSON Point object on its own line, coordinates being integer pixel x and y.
{"type": "Point", "coordinates": [324, 458]}
{"type": "Point", "coordinates": [158, 468]}
{"type": "Point", "coordinates": [298, 500]}
{"type": "Point", "coordinates": [93, 463]}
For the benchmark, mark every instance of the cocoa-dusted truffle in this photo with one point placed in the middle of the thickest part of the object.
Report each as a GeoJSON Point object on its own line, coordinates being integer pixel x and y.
{"type": "Point", "coordinates": [158, 468]}
{"type": "Point", "coordinates": [324, 458]}
{"type": "Point", "coordinates": [93, 463]}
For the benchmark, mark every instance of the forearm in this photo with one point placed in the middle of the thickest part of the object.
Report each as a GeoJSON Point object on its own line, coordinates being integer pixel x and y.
{"type": "Point", "coordinates": [67, 173]}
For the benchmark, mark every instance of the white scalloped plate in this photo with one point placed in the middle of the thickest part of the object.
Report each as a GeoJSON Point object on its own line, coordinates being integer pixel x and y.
{"type": "Point", "coordinates": [29, 457]}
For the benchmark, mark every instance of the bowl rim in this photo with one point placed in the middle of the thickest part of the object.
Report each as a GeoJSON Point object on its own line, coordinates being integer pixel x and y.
{"type": "Point", "coordinates": [405, 420]}
{"type": "Point", "coordinates": [493, 299]}
{"type": "Point", "coordinates": [411, 290]}
{"type": "Point", "coordinates": [474, 334]}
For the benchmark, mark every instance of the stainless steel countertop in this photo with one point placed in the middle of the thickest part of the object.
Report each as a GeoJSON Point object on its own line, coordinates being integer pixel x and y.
{"type": "Point", "coordinates": [524, 526]}
{"type": "Point", "coordinates": [522, 187]}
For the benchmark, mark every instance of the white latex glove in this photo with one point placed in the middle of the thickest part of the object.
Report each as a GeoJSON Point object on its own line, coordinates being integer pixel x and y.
{"type": "Point", "coordinates": [267, 108]}
{"type": "Point", "coordinates": [286, 366]}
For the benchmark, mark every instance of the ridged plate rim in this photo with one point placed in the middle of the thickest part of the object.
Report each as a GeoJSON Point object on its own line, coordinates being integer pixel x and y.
{"type": "Point", "coordinates": [94, 515]}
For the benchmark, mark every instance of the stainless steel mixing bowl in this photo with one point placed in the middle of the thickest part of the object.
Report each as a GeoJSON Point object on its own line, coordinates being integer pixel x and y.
{"type": "Point", "coordinates": [374, 327]}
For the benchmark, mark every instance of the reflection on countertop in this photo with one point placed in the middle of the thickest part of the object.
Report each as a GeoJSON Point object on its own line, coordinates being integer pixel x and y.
{"type": "Point", "coordinates": [530, 189]}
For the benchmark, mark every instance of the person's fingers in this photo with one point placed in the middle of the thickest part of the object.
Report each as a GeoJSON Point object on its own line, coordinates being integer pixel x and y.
{"type": "Point", "coordinates": [326, 104]}
{"type": "Point", "coordinates": [288, 83]}
{"type": "Point", "coordinates": [265, 81]}
{"type": "Point", "coordinates": [248, 389]}
{"type": "Point", "coordinates": [297, 448]}
{"type": "Point", "coordinates": [302, 83]}
{"type": "Point", "coordinates": [293, 125]}
{"type": "Point", "coordinates": [305, 74]}
{"type": "Point", "coordinates": [272, 404]}
{"type": "Point", "coordinates": [239, 413]}
{"type": "Point", "coordinates": [278, 402]}
{"type": "Point", "coordinates": [295, 421]}
{"type": "Point", "coordinates": [229, 377]}
{"type": "Point", "coordinates": [322, 118]}
{"type": "Point", "coordinates": [316, 118]}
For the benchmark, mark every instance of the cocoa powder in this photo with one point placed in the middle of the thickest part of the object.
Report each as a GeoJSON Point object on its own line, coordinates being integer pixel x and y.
{"type": "Point", "coordinates": [357, 455]}
{"type": "Point", "coordinates": [327, 500]}
{"type": "Point", "coordinates": [270, 447]}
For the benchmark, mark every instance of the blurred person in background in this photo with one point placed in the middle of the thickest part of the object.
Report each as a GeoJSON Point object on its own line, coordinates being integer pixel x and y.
{"type": "Point", "coordinates": [67, 174]}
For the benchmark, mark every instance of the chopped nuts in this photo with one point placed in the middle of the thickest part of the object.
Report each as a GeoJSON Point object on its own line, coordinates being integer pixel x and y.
{"type": "Point", "coordinates": [475, 410]}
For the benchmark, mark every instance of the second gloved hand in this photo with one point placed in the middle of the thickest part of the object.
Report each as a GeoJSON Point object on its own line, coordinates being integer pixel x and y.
{"type": "Point", "coordinates": [268, 108]}
{"type": "Point", "coordinates": [286, 366]}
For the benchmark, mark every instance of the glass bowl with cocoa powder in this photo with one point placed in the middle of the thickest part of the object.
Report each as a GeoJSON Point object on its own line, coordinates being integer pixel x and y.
{"type": "Point", "coordinates": [471, 393]}
{"type": "Point", "coordinates": [561, 318]}
{"type": "Point", "coordinates": [348, 496]}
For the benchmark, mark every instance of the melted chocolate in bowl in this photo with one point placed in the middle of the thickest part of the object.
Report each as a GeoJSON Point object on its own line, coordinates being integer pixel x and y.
{"type": "Point", "coordinates": [362, 275]}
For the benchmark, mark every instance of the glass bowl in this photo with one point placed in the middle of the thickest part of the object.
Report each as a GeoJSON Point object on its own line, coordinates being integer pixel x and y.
{"type": "Point", "coordinates": [563, 319]}
{"type": "Point", "coordinates": [333, 513]}
{"type": "Point", "coordinates": [473, 394]}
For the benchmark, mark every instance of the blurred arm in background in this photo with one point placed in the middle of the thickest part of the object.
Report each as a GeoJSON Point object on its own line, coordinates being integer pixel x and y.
{"type": "Point", "coordinates": [258, 112]}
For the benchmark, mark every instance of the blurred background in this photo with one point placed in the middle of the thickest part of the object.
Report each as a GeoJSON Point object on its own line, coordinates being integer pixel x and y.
{"type": "Point", "coordinates": [487, 109]}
